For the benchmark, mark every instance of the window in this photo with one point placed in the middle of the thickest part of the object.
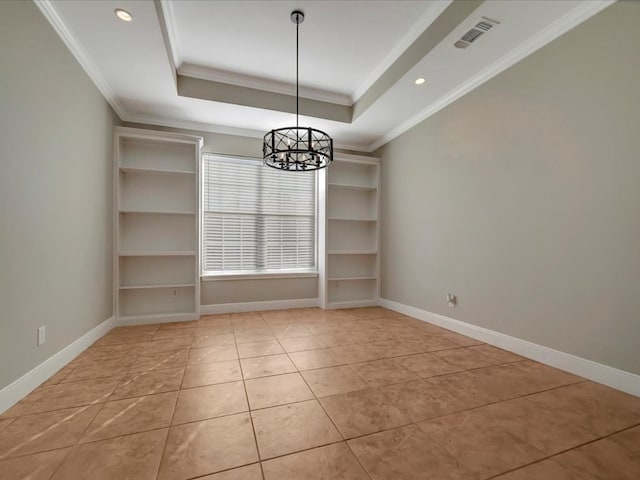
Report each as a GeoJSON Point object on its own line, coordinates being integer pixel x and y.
{"type": "Point", "coordinates": [256, 219]}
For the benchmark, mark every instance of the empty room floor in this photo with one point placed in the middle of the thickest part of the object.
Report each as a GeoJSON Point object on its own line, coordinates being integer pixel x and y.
{"type": "Point", "coordinates": [312, 394]}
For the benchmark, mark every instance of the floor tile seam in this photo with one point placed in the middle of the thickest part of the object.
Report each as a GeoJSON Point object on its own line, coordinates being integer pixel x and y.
{"type": "Point", "coordinates": [263, 355]}
{"type": "Point", "coordinates": [556, 454]}
{"type": "Point", "coordinates": [443, 446]}
{"type": "Point", "coordinates": [25, 455]}
{"type": "Point", "coordinates": [214, 383]}
{"type": "Point", "coordinates": [507, 399]}
{"type": "Point", "coordinates": [166, 438]}
{"type": "Point", "coordinates": [64, 460]}
{"type": "Point", "coordinates": [360, 462]}
{"type": "Point", "coordinates": [11, 420]}
{"type": "Point", "coordinates": [582, 380]}
{"type": "Point", "coordinates": [302, 450]}
{"type": "Point", "coordinates": [78, 443]}
{"type": "Point", "coordinates": [388, 429]}
{"type": "Point", "coordinates": [62, 408]}
{"type": "Point", "coordinates": [90, 378]}
{"type": "Point", "coordinates": [406, 381]}
{"type": "Point", "coordinates": [246, 396]}
{"type": "Point", "coordinates": [83, 408]}
{"type": "Point", "coordinates": [282, 404]}
{"type": "Point", "coordinates": [128, 434]}
{"type": "Point", "coordinates": [463, 370]}
{"type": "Point", "coordinates": [455, 412]}
{"type": "Point", "coordinates": [143, 395]}
{"type": "Point", "coordinates": [317, 399]}
{"type": "Point", "coordinates": [322, 446]}
{"type": "Point", "coordinates": [197, 477]}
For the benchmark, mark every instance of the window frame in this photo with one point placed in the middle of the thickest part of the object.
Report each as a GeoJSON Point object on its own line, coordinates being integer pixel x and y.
{"type": "Point", "coordinates": [209, 276]}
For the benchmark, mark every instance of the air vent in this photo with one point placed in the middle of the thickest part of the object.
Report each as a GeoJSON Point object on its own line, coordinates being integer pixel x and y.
{"type": "Point", "coordinates": [476, 32]}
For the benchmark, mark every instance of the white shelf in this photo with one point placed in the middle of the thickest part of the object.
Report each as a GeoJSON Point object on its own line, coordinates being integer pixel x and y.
{"type": "Point", "coordinates": [166, 253]}
{"type": "Point", "coordinates": [153, 212]}
{"type": "Point", "coordinates": [346, 279]}
{"type": "Point", "coordinates": [345, 186]}
{"type": "Point", "coordinates": [339, 219]}
{"type": "Point", "coordinates": [158, 232]}
{"type": "Point", "coordinates": [351, 264]}
{"type": "Point", "coordinates": [138, 287]}
{"type": "Point", "coordinates": [154, 170]}
{"type": "Point", "coordinates": [352, 252]}
{"type": "Point", "coordinates": [156, 268]}
{"type": "Point", "coordinates": [156, 301]}
{"type": "Point", "coordinates": [352, 204]}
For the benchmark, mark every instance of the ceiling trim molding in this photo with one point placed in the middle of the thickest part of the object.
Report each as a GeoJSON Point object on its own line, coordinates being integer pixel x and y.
{"type": "Point", "coordinates": [256, 83]}
{"type": "Point", "coordinates": [573, 18]}
{"type": "Point", "coordinates": [55, 20]}
{"type": "Point", "coordinates": [433, 11]}
{"type": "Point", "coordinates": [172, 31]}
{"type": "Point", "coordinates": [222, 129]}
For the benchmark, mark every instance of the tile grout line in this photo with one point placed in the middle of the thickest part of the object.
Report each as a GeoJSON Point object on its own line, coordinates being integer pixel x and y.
{"type": "Point", "coordinates": [299, 372]}
{"type": "Point", "coordinates": [553, 455]}
{"type": "Point", "coordinates": [318, 399]}
{"type": "Point", "coordinates": [332, 422]}
{"type": "Point", "coordinates": [246, 396]}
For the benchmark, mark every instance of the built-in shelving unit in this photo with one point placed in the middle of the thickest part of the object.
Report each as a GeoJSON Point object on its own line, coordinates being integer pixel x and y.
{"type": "Point", "coordinates": [156, 267]}
{"type": "Point", "coordinates": [351, 231]}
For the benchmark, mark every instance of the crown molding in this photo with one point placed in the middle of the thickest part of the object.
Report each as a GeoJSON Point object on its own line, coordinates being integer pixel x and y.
{"type": "Point", "coordinates": [433, 11]}
{"type": "Point", "coordinates": [172, 31]}
{"type": "Point", "coordinates": [579, 14]}
{"type": "Point", "coordinates": [222, 129]}
{"type": "Point", "coordinates": [257, 83]}
{"type": "Point", "coordinates": [191, 125]}
{"type": "Point", "coordinates": [55, 20]}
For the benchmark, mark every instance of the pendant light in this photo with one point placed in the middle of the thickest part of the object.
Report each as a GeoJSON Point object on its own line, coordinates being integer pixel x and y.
{"type": "Point", "coordinates": [297, 148]}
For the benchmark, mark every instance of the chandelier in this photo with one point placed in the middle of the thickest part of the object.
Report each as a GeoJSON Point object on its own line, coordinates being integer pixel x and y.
{"type": "Point", "coordinates": [297, 148]}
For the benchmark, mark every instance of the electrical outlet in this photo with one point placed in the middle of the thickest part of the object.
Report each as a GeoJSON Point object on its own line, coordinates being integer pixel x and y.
{"type": "Point", "coordinates": [451, 300]}
{"type": "Point", "coordinates": [42, 335]}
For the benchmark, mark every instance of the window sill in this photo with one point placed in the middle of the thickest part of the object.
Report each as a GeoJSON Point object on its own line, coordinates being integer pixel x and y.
{"type": "Point", "coordinates": [256, 276]}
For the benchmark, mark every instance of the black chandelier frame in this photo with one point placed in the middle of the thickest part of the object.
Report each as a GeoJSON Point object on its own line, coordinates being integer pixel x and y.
{"type": "Point", "coordinates": [298, 149]}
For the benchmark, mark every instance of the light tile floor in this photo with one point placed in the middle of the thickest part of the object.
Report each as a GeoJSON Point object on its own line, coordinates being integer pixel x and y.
{"type": "Point", "coordinates": [311, 394]}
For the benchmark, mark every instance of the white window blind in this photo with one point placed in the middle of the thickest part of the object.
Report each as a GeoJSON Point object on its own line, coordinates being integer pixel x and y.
{"type": "Point", "coordinates": [255, 218]}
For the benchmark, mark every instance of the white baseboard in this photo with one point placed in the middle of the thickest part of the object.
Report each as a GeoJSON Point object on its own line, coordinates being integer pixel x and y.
{"type": "Point", "coordinates": [20, 388]}
{"type": "Point", "coordinates": [612, 377]}
{"type": "Point", "coordinates": [148, 319]}
{"type": "Point", "coordinates": [351, 304]}
{"type": "Point", "coordinates": [258, 306]}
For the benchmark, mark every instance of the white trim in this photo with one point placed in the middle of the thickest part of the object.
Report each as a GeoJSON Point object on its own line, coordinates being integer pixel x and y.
{"type": "Point", "coordinates": [571, 19]}
{"type": "Point", "coordinates": [213, 128]}
{"type": "Point", "coordinates": [258, 306]}
{"type": "Point", "coordinates": [612, 377]}
{"type": "Point", "coordinates": [262, 84]}
{"type": "Point", "coordinates": [24, 385]}
{"type": "Point", "coordinates": [352, 304]}
{"type": "Point", "coordinates": [156, 318]}
{"type": "Point", "coordinates": [50, 13]}
{"type": "Point", "coordinates": [434, 10]}
{"type": "Point", "coordinates": [222, 277]}
{"type": "Point", "coordinates": [172, 31]}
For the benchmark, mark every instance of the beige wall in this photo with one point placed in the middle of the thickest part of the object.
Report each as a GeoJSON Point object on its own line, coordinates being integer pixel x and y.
{"type": "Point", "coordinates": [523, 198]}
{"type": "Point", "coordinates": [239, 290]}
{"type": "Point", "coordinates": [55, 194]}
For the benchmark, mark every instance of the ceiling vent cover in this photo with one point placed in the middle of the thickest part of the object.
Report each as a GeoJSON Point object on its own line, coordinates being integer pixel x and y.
{"type": "Point", "coordinates": [476, 32]}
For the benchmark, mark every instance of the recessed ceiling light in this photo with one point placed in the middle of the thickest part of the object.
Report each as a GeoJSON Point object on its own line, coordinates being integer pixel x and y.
{"type": "Point", "coordinates": [420, 80]}
{"type": "Point", "coordinates": [123, 15]}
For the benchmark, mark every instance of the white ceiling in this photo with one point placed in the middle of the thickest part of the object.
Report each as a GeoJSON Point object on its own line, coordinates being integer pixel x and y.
{"type": "Point", "coordinates": [258, 39]}
{"type": "Point", "coordinates": [344, 48]}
